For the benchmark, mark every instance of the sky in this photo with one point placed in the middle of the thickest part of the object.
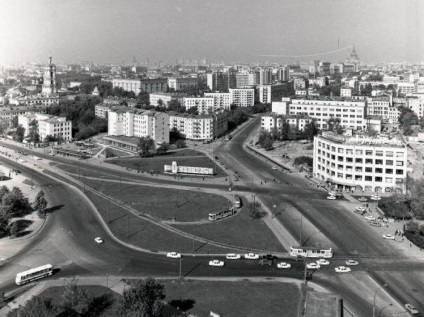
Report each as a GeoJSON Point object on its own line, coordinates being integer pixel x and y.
{"type": "Point", "coordinates": [280, 31]}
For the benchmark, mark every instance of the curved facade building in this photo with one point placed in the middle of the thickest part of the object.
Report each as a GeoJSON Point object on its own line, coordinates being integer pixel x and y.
{"type": "Point", "coordinates": [361, 163]}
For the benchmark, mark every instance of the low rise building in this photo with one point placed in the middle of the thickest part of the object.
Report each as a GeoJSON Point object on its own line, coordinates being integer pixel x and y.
{"type": "Point", "coordinates": [57, 127]}
{"type": "Point", "coordinates": [270, 122]}
{"type": "Point", "coordinates": [133, 85]}
{"type": "Point", "coordinates": [165, 97]}
{"type": "Point", "coordinates": [361, 163]}
{"type": "Point", "coordinates": [7, 113]}
{"type": "Point", "coordinates": [38, 100]}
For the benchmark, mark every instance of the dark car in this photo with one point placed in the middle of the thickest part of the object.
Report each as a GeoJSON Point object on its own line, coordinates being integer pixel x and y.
{"type": "Point", "coordinates": [269, 257]}
{"type": "Point", "coordinates": [265, 262]}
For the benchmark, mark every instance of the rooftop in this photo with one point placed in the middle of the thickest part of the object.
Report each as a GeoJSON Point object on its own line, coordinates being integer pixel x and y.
{"type": "Point", "coordinates": [364, 140]}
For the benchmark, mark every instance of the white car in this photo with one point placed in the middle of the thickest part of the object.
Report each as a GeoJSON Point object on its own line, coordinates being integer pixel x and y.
{"type": "Point", "coordinates": [323, 262]}
{"type": "Point", "coordinates": [313, 266]}
{"type": "Point", "coordinates": [370, 218]}
{"type": "Point", "coordinates": [388, 236]}
{"type": "Point", "coordinates": [251, 256]}
{"type": "Point", "coordinates": [173, 255]}
{"type": "Point", "coordinates": [283, 265]}
{"type": "Point", "coordinates": [216, 263]}
{"type": "Point", "coordinates": [351, 262]}
{"type": "Point", "coordinates": [375, 197]}
{"type": "Point", "coordinates": [233, 256]}
{"type": "Point", "coordinates": [331, 198]}
{"type": "Point", "coordinates": [360, 208]}
{"type": "Point", "coordinates": [274, 168]}
{"type": "Point", "coordinates": [363, 199]}
{"type": "Point", "coordinates": [343, 269]}
{"type": "Point", "coordinates": [411, 309]}
{"type": "Point", "coordinates": [99, 240]}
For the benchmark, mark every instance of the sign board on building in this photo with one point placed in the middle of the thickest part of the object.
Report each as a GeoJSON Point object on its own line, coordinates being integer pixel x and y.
{"type": "Point", "coordinates": [175, 169]}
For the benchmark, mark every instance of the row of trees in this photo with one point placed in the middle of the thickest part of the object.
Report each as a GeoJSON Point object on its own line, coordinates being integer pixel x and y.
{"type": "Point", "coordinates": [142, 298]}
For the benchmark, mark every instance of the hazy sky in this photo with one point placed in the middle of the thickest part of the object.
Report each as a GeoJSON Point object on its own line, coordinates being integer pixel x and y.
{"type": "Point", "coordinates": [233, 30]}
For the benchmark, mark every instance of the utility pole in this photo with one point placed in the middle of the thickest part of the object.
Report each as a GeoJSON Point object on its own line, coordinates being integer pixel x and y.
{"type": "Point", "coordinates": [300, 238]}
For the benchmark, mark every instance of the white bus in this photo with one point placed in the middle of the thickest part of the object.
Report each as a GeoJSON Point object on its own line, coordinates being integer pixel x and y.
{"type": "Point", "coordinates": [311, 252]}
{"type": "Point", "coordinates": [222, 214]}
{"type": "Point", "coordinates": [34, 274]}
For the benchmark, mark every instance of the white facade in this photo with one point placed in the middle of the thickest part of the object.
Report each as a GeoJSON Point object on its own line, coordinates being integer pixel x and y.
{"type": "Point", "coordinates": [25, 120]}
{"type": "Point", "coordinates": [299, 84]}
{"type": "Point", "coordinates": [127, 84]}
{"type": "Point", "coordinates": [204, 104]}
{"type": "Point", "coordinates": [242, 97]}
{"type": "Point", "coordinates": [350, 113]}
{"type": "Point", "coordinates": [265, 93]}
{"type": "Point", "coordinates": [345, 92]}
{"type": "Point", "coordinates": [416, 104]}
{"type": "Point", "coordinates": [101, 110]}
{"type": "Point", "coordinates": [199, 127]}
{"type": "Point", "coordinates": [363, 164]}
{"type": "Point", "coordinates": [221, 100]}
{"type": "Point", "coordinates": [272, 121]}
{"type": "Point", "coordinates": [56, 127]}
{"type": "Point", "coordinates": [139, 124]}
{"type": "Point", "coordinates": [155, 97]}
{"type": "Point", "coordinates": [279, 107]}
{"type": "Point", "coordinates": [181, 83]}
{"type": "Point", "coordinates": [379, 107]}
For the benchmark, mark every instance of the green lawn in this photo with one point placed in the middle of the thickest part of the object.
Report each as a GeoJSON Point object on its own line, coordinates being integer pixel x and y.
{"type": "Point", "coordinates": [241, 298]}
{"type": "Point", "coordinates": [238, 230]}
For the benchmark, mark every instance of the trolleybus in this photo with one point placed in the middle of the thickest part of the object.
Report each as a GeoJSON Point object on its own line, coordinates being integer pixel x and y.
{"type": "Point", "coordinates": [311, 252]}
{"type": "Point", "coordinates": [34, 274]}
{"type": "Point", "coordinates": [222, 214]}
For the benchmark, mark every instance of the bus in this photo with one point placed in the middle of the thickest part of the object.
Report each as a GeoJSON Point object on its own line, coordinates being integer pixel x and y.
{"type": "Point", "coordinates": [237, 201]}
{"type": "Point", "coordinates": [311, 252]}
{"type": "Point", "coordinates": [34, 274]}
{"type": "Point", "coordinates": [222, 214]}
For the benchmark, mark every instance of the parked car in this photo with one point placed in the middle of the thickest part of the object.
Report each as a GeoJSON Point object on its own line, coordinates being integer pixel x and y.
{"type": "Point", "coordinates": [216, 263]}
{"type": "Point", "coordinates": [411, 309]}
{"type": "Point", "coordinates": [375, 197]}
{"type": "Point", "coordinates": [375, 223]}
{"type": "Point", "coordinates": [233, 256]}
{"type": "Point", "coordinates": [173, 255]}
{"type": "Point", "coordinates": [283, 265]}
{"type": "Point", "coordinates": [343, 269]}
{"type": "Point", "coordinates": [360, 209]}
{"type": "Point", "coordinates": [331, 198]}
{"type": "Point", "coordinates": [99, 240]}
{"type": "Point", "coordinates": [362, 199]}
{"type": "Point", "coordinates": [388, 236]}
{"type": "Point", "coordinates": [269, 257]}
{"type": "Point", "coordinates": [313, 266]}
{"type": "Point", "coordinates": [369, 218]}
{"type": "Point", "coordinates": [351, 262]}
{"type": "Point", "coordinates": [251, 256]}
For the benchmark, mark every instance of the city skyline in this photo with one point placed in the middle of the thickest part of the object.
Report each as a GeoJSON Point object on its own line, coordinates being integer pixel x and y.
{"type": "Point", "coordinates": [236, 31]}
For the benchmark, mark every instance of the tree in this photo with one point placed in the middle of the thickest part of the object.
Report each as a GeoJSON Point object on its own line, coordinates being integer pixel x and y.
{"type": "Point", "coordinates": [33, 132]}
{"type": "Point", "coordinates": [15, 201]}
{"type": "Point", "coordinates": [3, 190]}
{"type": "Point", "coordinates": [145, 144]}
{"type": "Point", "coordinates": [175, 105]}
{"type": "Point", "coordinates": [193, 110]}
{"type": "Point", "coordinates": [15, 122]}
{"type": "Point", "coordinates": [407, 118]}
{"type": "Point", "coordinates": [310, 130]}
{"type": "Point", "coordinates": [144, 298]}
{"type": "Point", "coordinates": [265, 140]}
{"type": "Point", "coordinates": [255, 211]}
{"type": "Point", "coordinates": [19, 134]}
{"type": "Point", "coordinates": [334, 124]}
{"type": "Point", "coordinates": [37, 306]}
{"type": "Point", "coordinates": [40, 203]}
{"type": "Point", "coordinates": [74, 298]}
{"type": "Point", "coordinates": [180, 144]}
{"type": "Point", "coordinates": [285, 131]}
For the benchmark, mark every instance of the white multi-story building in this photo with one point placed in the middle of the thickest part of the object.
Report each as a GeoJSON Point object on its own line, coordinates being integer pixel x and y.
{"type": "Point", "coordinates": [221, 100]}
{"type": "Point", "coordinates": [133, 85]}
{"type": "Point", "coordinates": [138, 123]}
{"type": "Point", "coordinates": [181, 83]}
{"type": "Point", "coordinates": [405, 88]}
{"type": "Point", "coordinates": [360, 163]}
{"type": "Point", "coordinates": [199, 127]}
{"type": "Point", "coordinates": [242, 97]}
{"type": "Point", "coordinates": [47, 125]}
{"type": "Point", "coordinates": [265, 95]}
{"type": "Point", "coordinates": [165, 97]}
{"type": "Point", "coordinates": [416, 104]}
{"type": "Point", "coordinates": [273, 121]}
{"type": "Point", "coordinates": [101, 110]}
{"type": "Point", "coordinates": [345, 92]}
{"type": "Point", "coordinates": [351, 113]}
{"type": "Point", "coordinates": [244, 80]}
{"type": "Point", "coordinates": [204, 104]}
{"type": "Point", "coordinates": [299, 84]}
{"type": "Point", "coordinates": [381, 107]}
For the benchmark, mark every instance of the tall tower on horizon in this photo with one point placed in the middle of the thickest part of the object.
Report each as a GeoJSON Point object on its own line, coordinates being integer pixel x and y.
{"type": "Point", "coordinates": [354, 56]}
{"type": "Point", "coordinates": [49, 79]}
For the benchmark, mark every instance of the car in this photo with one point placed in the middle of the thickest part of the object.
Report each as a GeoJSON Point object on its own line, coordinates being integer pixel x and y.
{"type": "Point", "coordinates": [351, 262]}
{"type": "Point", "coordinates": [251, 256]}
{"type": "Point", "coordinates": [269, 257]}
{"type": "Point", "coordinates": [388, 236]}
{"type": "Point", "coordinates": [216, 263]}
{"type": "Point", "coordinates": [99, 240]}
{"type": "Point", "coordinates": [313, 266]}
{"type": "Point", "coordinates": [362, 199]}
{"type": "Point", "coordinates": [283, 265]}
{"type": "Point", "coordinates": [173, 255]}
{"type": "Point", "coordinates": [343, 269]}
{"type": "Point", "coordinates": [411, 309]}
{"type": "Point", "coordinates": [360, 208]}
{"type": "Point", "coordinates": [274, 168]}
{"type": "Point", "coordinates": [323, 262]}
{"type": "Point", "coordinates": [358, 211]}
{"type": "Point", "coordinates": [375, 223]}
{"type": "Point", "coordinates": [265, 262]}
{"type": "Point", "coordinates": [233, 256]}
{"type": "Point", "coordinates": [331, 198]}
{"type": "Point", "coordinates": [375, 197]}
{"type": "Point", "coordinates": [370, 218]}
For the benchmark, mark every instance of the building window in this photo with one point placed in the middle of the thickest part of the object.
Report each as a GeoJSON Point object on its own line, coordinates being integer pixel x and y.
{"type": "Point", "coordinates": [358, 169]}
{"type": "Point", "coordinates": [379, 170]}
{"type": "Point", "coordinates": [358, 160]}
{"type": "Point", "coordinates": [389, 162]}
{"type": "Point", "coordinates": [368, 169]}
{"type": "Point", "coordinates": [368, 178]}
{"type": "Point", "coordinates": [389, 153]}
{"type": "Point", "coordinates": [349, 151]}
{"type": "Point", "coordinates": [368, 152]}
{"type": "Point", "coordinates": [378, 179]}
{"type": "Point", "coordinates": [358, 152]}
{"type": "Point", "coordinates": [379, 153]}
{"type": "Point", "coordinates": [379, 162]}
{"type": "Point", "coordinates": [399, 172]}
{"type": "Point", "coordinates": [389, 180]}
{"type": "Point", "coordinates": [368, 161]}
{"type": "Point", "coordinates": [340, 175]}
{"type": "Point", "coordinates": [389, 171]}
{"type": "Point", "coordinates": [399, 154]}
{"type": "Point", "coordinates": [340, 158]}
{"type": "Point", "coordinates": [399, 163]}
